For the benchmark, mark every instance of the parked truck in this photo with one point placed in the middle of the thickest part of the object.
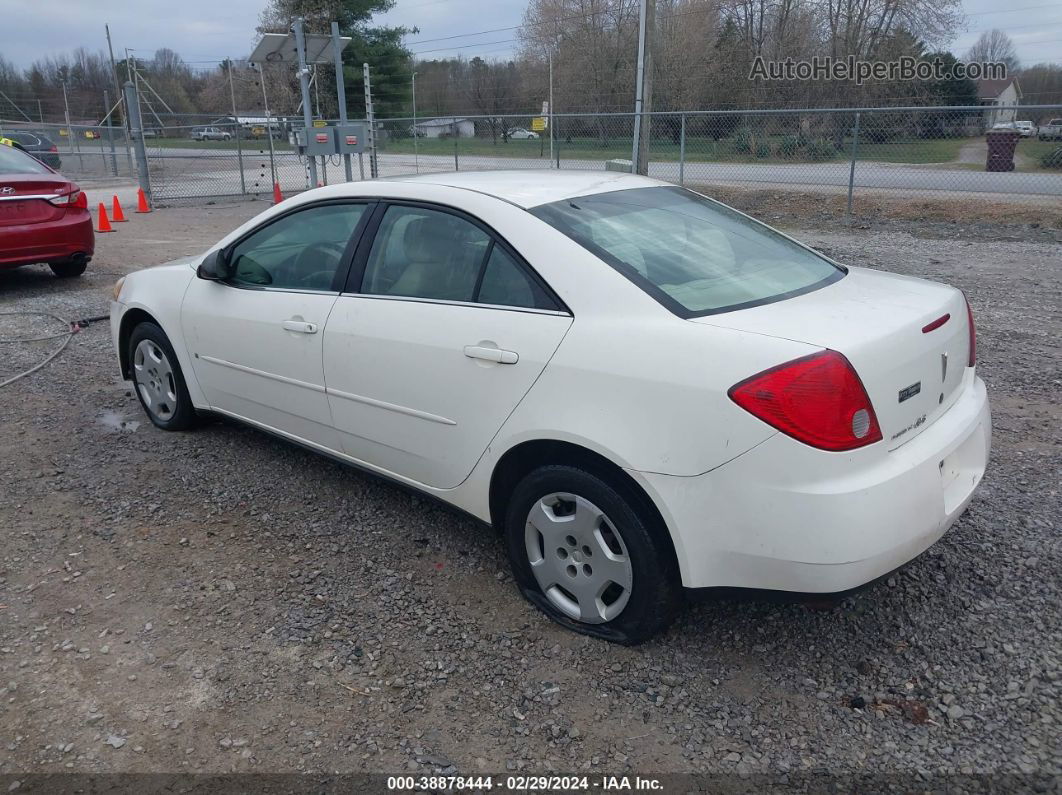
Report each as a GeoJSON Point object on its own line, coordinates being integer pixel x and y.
{"type": "Point", "coordinates": [1051, 131]}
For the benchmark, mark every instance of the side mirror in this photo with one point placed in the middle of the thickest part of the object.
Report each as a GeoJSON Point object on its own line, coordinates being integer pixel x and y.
{"type": "Point", "coordinates": [214, 266]}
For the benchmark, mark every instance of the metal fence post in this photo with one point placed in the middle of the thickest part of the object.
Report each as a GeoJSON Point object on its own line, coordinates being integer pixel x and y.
{"type": "Point", "coordinates": [682, 150]}
{"type": "Point", "coordinates": [236, 132]}
{"type": "Point", "coordinates": [851, 167]}
{"type": "Point", "coordinates": [132, 105]}
{"type": "Point", "coordinates": [370, 121]}
{"type": "Point", "coordinates": [110, 135]}
{"type": "Point", "coordinates": [456, 166]}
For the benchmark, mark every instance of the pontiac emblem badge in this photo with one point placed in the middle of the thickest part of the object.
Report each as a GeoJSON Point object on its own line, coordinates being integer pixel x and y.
{"type": "Point", "coordinates": [943, 366]}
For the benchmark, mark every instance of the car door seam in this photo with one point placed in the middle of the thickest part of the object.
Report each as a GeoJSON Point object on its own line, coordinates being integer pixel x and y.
{"type": "Point", "coordinates": [516, 405]}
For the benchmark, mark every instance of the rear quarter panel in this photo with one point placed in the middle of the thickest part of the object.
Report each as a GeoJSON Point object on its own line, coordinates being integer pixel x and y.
{"type": "Point", "coordinates": [650, 396]}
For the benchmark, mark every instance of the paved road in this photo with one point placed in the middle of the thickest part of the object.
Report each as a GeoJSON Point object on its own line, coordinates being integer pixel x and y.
{"type": "Point", "coordinates": [180, 173]}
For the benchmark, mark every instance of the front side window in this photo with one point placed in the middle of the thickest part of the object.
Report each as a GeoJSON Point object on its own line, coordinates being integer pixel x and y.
{"type": "Point", "coordinates": [419, 252]}
{"type": "Point", "coordinates": [695, 256]}
{"type": "Point", "coordinates": [301, 251]}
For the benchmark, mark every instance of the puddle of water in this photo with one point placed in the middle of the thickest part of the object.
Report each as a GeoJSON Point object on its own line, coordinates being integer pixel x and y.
{"type": "Point", "coordinates": [117, 422]}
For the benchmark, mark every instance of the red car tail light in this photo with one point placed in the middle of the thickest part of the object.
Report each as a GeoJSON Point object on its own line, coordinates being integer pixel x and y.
{"type": "Point", "coordinates": [973, 334]}
{"type": "Point", "coordinates": [818, 400]}
{"type": "Point", "coordinates": [54, 148]}
{"type": "Point", "coordinates": [75, 200]}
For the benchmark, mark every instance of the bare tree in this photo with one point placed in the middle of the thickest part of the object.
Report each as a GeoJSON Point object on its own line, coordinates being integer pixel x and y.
{"type": "Point", "coordinates": [994, 46]}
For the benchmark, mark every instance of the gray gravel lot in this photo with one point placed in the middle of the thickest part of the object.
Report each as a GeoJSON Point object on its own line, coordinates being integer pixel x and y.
{"type": "Point", "coordinates": [220, 601]}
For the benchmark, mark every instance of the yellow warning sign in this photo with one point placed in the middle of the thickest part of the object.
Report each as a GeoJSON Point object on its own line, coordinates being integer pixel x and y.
{"type": "Point", "coordinates": [538, 124]}
{"type": "Point", "coordinates": [320, 123]}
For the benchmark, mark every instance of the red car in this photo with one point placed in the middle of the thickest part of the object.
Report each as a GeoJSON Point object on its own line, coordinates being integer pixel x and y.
{"type": "Point", "coordinates": [44, 217]}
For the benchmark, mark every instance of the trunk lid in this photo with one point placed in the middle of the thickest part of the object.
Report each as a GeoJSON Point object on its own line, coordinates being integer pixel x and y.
{"type": "Point", "coordinates": [876, 320]}
{"type": "Point", "coordinates": [18, 205]}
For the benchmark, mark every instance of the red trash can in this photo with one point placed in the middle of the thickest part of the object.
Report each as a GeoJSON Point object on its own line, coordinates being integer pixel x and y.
{"type": "Point", "coordinates": [1001, 145]}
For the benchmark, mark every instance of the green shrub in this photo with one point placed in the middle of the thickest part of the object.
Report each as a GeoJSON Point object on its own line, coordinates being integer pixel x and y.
{"type": "Point", "coordinates": [763, 149]}
{"type": "Point", "coordinates": [1052, 159]}
{"type": "Point", "coordinates": [822, 150]}
{"type": "Point", "coordinates": [743, 141]}
{"type": "Point", "coordinates": [790, 145]}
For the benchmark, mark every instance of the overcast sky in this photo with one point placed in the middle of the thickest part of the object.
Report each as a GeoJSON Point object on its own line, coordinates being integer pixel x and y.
{"type": "Point", "coordinates": [209, 30]}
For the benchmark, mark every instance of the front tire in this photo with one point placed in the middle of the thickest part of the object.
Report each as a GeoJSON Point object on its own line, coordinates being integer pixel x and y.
{"type": "Point", "coordinates": [158, 380]}
{"type": "Point", "coordinates": [590, 557]}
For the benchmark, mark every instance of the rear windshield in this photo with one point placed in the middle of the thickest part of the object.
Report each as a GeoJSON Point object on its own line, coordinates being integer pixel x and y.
{"type": "Point", "coordinates": [694, 255]}
{"type": "Point", "coordinates": [15, 161]}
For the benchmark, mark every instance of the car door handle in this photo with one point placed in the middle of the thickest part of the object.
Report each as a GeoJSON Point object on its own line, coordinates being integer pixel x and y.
{"type": "Point", "coordinates": [491, 354]}
{"type": "Point", "coordinates": [300, 326]}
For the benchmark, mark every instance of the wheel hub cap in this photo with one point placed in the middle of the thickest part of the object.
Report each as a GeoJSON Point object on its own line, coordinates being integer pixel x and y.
{"type": "Point", "coordinates": [578, 558]}
{"type": "Point", "coordinates": [155, 384]}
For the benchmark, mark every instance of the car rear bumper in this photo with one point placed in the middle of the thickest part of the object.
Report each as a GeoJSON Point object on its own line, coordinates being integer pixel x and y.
{"type": "Point", "coordinates": [784, 516]}
{"type": "Point", "coordinates": [48, 241]}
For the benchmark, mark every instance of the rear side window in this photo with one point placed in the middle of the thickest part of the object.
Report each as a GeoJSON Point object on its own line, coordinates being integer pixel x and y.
{"type": "Point", "coordinates": [505, 283]}
{"type": "Point", "coordinates": [420, 252]}
{"type": "Point", "coordinates": [695, 256]}
{"type": "Point", "coordinates": [15, 161]}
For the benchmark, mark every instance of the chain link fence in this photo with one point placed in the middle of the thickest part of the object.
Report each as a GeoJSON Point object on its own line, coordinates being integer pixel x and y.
{"type": "Point", "coordinates": [80, 151]}
{"type": "Point", "coordinates": [977, 154]}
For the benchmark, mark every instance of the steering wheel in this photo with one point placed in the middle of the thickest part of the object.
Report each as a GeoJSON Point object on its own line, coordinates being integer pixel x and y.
{"type": "Point", "coordinates": [309, 261]}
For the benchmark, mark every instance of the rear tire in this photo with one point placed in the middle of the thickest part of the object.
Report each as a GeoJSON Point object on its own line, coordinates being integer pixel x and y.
{"type": "Point", "coordinates": [68, 269]}
{"type": "Point", "coordinates": [158, 380]}
{"type": "Point", "coordinates": [589, 557]}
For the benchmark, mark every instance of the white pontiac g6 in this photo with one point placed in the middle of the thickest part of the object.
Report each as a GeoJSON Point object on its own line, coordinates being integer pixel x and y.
{"type": "Point", "coordinates": [643, 390]}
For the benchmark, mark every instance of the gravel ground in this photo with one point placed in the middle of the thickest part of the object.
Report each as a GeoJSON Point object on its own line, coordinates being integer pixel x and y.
{"type": "Point", "coordinates": [219, 601]}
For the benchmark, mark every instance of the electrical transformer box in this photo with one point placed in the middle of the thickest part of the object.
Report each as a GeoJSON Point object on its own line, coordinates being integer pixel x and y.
{"type": "Point", "coordinates": [350, 138]}
{"type": "Point", "coordinates": [315, 141]}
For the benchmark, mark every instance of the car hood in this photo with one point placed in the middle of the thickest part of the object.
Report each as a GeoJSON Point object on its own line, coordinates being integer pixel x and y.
{"type": "Point", "coordinates": [181, 262]}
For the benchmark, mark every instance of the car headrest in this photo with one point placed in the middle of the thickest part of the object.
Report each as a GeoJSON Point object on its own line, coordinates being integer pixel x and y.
{"type": "Point", "coordinates": [431, 237]}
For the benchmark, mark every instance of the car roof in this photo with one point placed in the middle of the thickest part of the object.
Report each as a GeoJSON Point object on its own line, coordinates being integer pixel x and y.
{"type": "Point", "coordinates": [530, 188]}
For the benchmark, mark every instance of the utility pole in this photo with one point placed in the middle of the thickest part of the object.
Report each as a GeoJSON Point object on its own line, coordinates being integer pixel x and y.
{"type": "Point", "coordinates": [643, 96]}
{"type": "Point", "coordinates": [341, 92]}
{"type": "Point", "coordinates": [304, 85]}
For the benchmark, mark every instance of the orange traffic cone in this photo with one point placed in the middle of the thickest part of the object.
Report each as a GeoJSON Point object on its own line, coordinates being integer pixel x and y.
{"type": "Point", "coordinates": [141, 202]}
{"type": "Point", "coordinates": [278, 197]}
{"type": "Point", "coordinates": [103, 224]}
{"type": "Point", "coordinates": [119, 216]}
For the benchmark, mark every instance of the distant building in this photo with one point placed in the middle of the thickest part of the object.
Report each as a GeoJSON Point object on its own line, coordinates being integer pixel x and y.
{"type": "Point", "coordinates": [992, 94]}
{"type": "Point", "coordinates": [448, 127]}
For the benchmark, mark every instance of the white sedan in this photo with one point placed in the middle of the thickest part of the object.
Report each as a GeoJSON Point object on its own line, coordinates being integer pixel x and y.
{"type": "Point", "coordinates": [520, 134]}
{"type": "Point", "coordinates": [642, 389]}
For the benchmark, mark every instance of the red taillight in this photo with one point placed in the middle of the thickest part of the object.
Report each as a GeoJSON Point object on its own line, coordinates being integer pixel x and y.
{"type": "Point", "coordinates": [54, 148]}
{"type": "Point", "coordinates": [73, 200]}
{"type": "Point", "coordinates": [973, 334]}
{"type": "Point", "coordinates": [818, 400]}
